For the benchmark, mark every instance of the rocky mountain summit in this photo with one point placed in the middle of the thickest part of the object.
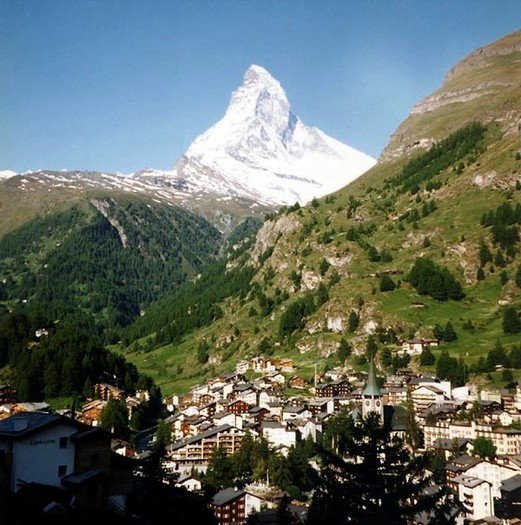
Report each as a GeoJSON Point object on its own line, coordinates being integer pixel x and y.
{"type": "Point", "coordinates": [261, 150]}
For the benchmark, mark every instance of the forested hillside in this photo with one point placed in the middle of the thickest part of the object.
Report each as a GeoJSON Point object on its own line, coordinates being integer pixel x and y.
{"type": "Point", "coordinates": [110, 258]}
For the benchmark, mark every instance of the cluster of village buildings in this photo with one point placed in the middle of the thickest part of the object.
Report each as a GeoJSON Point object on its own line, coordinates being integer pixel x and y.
{"type": "Point", "coordinates": [220, 412]}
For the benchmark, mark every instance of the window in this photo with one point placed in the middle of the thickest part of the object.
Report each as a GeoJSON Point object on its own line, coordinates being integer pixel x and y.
{"type": "Point", "coordinates": [62, 470]}
{"type": "Point", "coordinates": [64, 441]}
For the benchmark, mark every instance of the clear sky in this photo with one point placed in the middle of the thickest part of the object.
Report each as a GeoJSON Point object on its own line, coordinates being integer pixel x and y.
{"type": "Point", "coordinates": [119, 85]}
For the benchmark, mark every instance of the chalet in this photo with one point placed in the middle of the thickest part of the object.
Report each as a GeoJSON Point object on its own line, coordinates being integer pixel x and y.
{"type": "Point", "coordinates": [91, 412]}
{"type": "Point", "coordinates": [245, 392]}
{"type": "Point", "coordinates": [238, 406]}
{"type": "Point", "coordinates": [276, 379]}
{"type": "Point", "coordinates": [340, 387]}
{"type": "Point", "coordinates": [416, 346]}
{"type": "Point", "coordinates": [286, 365]}
{"type": "Point", "coordinates": [177, 400]}
{"type": "Point", "coordinates": [447, 447]}
{"type": "Point", "coordinates": [311, 428]}
{"type": "Point", "coordinates": [268, 396]}
{"type": "Point", "coordinates": [263, 364]}
{"type": "Point", "coordinates": [298, 382]}
{"type": "Point", "coordinates": [258, 413]}
{"type": "Point", "coordinates": [334, 374]}
{"type": "Point", "coordinates": [57, 451]}
{"type": "Point", "coordinates": [324, 404]}
{"type": "Point", "coordinates": [278, 434]}
{"type": "Point", "coordinates": [205, 399]}
{"type": "Point", "coordinates": [295, 412]}
{"type": "Point", "coordinates": [228, 418]}
{"type": "Point", "coordinates": [232, 506]}
{"type": "Point", "coordinates": [189, 483]}
{"type": "Point", "coordinates": [242, 366]}
{"type": "Point", "coordinates": [209, 409]}
{"type": "Point", "coordinates": [105, 391]}
{"type": "Point", "coordinates": [275, 409]}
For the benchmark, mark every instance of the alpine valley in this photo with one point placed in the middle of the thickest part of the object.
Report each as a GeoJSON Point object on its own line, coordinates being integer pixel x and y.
{"type": "Point", "coordinates": [269, 237]}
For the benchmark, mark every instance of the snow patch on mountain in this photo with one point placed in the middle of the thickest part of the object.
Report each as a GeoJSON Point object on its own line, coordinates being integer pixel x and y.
{"type": "Point", "coordinates": [7, 174]}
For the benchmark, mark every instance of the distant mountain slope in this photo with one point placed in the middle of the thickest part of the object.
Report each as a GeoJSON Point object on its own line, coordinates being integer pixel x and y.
{"type": "Point", "coordinates": [108, 256]}
{"type": "Point", "coordinates": [429, 236]}
{"type": "Point", "coordinates": [484, 85]}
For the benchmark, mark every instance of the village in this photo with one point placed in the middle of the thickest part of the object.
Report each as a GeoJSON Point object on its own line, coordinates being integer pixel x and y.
{"type": "Point", "coordinates": [220, 412]}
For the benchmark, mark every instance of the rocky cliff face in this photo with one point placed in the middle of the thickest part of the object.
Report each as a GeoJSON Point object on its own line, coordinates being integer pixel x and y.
{"type": "Point", "coordinates": [471, 91]}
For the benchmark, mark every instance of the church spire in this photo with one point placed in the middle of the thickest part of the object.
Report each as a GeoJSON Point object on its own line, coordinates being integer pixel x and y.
{"type": "Point", "coordinates": [371, 388]}
{"type": "Point", "coordinates": [372, 395]}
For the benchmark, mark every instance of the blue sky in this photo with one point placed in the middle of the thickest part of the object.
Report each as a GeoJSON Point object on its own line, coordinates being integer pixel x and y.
{"type": "Point", "coordinates": [119, 85]}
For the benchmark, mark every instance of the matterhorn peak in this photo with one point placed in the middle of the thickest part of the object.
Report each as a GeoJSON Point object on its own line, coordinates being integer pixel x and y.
{"type": "Point", "coordinates": [258, 80]}
{"type": "Point", "coordinates": [258, 75]}
{"type": "Point", "coordinates": [261, 150]}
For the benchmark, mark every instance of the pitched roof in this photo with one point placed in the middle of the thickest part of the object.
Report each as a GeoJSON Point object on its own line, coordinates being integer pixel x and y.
{"type": "Point", "coordinates": [468, 481]}
{"type": "Point", "coordinates": [25, 423]}
{"type": "Point", "coordinates": [510, 484]}
{"type": "Point", "coordinates": [226, 496]}
{"type": "Point", "coordinates": [371, 387]}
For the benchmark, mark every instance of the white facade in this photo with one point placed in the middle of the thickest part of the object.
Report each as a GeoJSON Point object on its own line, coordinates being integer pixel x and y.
{"type": "Point", "coordinates": [44, 456]}
{"type": "Point", "coordinates": [253, 503]}
{"type": "Point", "coordinates": [475, 494]}
{"type": "Point", "coordinates": [493, 473]}
{"type": "Point", "coordinates": [278, 435]}
{"type": "Point", "coordinates": [191, 484]}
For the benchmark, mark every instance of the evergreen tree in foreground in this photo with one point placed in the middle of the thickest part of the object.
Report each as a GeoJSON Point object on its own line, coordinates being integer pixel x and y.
{"type": "Point", "coordinates": [375, 480]}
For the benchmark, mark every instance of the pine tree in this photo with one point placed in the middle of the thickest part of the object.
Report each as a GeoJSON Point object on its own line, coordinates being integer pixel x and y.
{"type": "Point", "coordinates": [511, 320]}
{"type": "Point", "coordinates": [376, 481]}
{"type": "Point", "coordinates": [449, 334]}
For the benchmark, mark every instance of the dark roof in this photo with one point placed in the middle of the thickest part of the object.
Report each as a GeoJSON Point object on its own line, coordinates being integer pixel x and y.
{"type": "Point", "coordinates": [462, 463]}
{"type": "Point", "coordinates": [226, 496]}
{"type": "Point", "coordinates": [25, 423]}
{"type": "Point", "coordinates": [511, 484]}
{"type": "Point", "coordinates": [82, 477]}
{"type": "Point", "coordinates": [449, 443]}
{"type": "Point", "coordinates": [194, 439]}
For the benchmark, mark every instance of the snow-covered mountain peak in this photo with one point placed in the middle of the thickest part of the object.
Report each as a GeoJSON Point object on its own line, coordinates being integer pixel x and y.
{"type": "Point", "coordinates": [258, 77]}
{"type": "Point", "coordinates": [261, 150]}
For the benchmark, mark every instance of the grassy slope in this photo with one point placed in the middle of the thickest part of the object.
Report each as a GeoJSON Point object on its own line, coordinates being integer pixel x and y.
{"type": "Point", "coordinates": [455, 232]}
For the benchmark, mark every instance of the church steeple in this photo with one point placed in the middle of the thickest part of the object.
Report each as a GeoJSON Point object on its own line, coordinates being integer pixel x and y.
{"type": "Point", "coordinates": [372, 395]}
